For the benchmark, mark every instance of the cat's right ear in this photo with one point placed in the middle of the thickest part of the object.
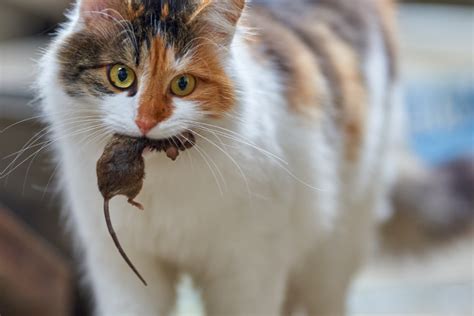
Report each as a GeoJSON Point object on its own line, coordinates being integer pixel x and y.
{"type": "Point", "coordinates": [91, 10]}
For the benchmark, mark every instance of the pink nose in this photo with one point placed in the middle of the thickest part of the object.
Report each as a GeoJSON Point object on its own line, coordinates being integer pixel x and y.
{"type": "Point", "coordinates": [145, 125]}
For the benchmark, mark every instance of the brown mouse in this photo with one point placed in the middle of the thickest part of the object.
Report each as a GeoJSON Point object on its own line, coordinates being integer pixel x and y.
{"type": "Point", "coordinates": [121, 171]}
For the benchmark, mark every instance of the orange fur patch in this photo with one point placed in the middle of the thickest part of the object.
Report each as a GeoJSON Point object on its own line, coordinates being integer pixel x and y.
{"type": "Point", "coordinates": [276, 42]}
{"type": "Point", "coordinates": [318, 64]}
{"type": "Point", "coordinates": [344, 77]}
{"type": "Point", "coordinates": [214, 91]}
{"type": "Point", "coordinates": [199, 10]}
{"type": "Point", "coordinates": [344, 60]}
{"type": "Point", "coordinates": [156, 103]}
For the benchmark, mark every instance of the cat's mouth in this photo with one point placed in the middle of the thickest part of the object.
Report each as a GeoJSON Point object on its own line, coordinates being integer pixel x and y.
{"type": "Point", "coordinates": [171, 146]}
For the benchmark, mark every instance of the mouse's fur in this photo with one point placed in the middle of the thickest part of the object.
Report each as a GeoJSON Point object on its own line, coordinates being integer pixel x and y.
{"type": "Point", "coordinates": [121, 168]}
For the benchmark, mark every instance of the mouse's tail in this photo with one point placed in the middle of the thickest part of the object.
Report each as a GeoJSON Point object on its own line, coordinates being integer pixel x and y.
{"type": "Point", "coordinates": [117, 242]}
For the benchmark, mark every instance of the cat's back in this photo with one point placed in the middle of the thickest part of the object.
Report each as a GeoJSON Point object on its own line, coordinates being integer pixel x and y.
{"type": "Point", "coordinates": [329, 55]}
{"type": "Point", "coordinates": [319, 25]}
{"type": "Point", "coordinates": [348, 20]}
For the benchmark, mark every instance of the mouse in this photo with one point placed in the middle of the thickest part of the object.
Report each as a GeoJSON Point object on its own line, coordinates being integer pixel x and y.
{"type": "Point", "coordinates": [121, 171]}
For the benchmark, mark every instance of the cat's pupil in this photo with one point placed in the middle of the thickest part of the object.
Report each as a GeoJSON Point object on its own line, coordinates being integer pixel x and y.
{"type": "Point", "coordinates": [183, 83]}
{"type": "Point", "coordinates": [122, 74]}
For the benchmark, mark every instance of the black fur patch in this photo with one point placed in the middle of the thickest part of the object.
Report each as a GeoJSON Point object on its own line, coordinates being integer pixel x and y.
{"type": "Point", "coordinates": [166, 18]}
{"type": "Point", "coordinates": [84, 53]}
{"type": "Point", "coordinates": [81, 58]}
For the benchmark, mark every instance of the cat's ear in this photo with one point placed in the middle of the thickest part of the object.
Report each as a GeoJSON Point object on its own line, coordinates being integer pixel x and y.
{"type": "Point", "coordinates": [217, 18]}
{"type": "Point", "coordinates": [86, 6]}
{"type": "Point", "coordinates": [106, 9]}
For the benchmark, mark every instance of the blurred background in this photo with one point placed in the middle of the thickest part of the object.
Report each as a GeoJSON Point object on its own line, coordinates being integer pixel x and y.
{"type": "Point", "coordinates": [38, 275]}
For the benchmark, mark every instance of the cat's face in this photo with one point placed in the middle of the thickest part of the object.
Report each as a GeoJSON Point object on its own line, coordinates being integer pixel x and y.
{"type": "Point", "coordinates": [151, 66]}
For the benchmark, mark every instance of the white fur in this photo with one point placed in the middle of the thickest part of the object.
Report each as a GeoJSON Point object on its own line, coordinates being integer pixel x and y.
{"type": "Point", "coordinates": [247, 218]}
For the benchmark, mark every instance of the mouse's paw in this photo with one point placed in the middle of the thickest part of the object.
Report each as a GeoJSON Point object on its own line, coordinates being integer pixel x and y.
{"type": "Point", "coordinates": [136, 204]}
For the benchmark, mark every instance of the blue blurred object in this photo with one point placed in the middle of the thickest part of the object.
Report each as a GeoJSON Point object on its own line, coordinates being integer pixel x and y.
{"type": "Point", "coordinates": [441, 118]}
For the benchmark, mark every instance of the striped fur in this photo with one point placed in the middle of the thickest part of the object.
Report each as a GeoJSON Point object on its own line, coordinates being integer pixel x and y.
{"type": "Point", "coordinates": [327, 40]}
{"type": "Point", "coordinates": [273, 210]}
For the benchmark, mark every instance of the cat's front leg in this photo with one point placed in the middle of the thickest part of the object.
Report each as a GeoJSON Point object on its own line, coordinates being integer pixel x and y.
{"type": "Point", "coordinates": [118, 291]}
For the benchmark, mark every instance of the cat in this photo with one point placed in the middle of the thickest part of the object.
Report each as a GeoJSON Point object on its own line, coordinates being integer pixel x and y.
{"type": "Point", "coordinates": [295, 109]}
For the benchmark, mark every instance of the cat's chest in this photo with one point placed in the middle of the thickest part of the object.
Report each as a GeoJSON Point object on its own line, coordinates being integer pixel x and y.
{"type": "Point", "coordinates": [193, 203]}
{"type": "Point", "coordinates": [205, 200]}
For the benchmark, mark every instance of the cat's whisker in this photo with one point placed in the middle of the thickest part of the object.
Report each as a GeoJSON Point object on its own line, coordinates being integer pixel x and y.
{"type": "Point", "coordinates": [237, 137]}
{"type": "Point", "coordinates": [217, 167]}
{"type": "Point", "coordinates": [103, 134]}
{"type": "Point", "coordinates": [278, 162]}
{"type": "Point", "coordinates": [203, 156]}
{"type": "Point", "coordinates": [30, 165]}
{"type": "Point", "coordinates": [100, 134]}
{"type": "Point", "coordinates": [32, 143]}
{"type": "Point", "coordinates": [206, 160]}
{"type": "Point", "coordinates": [26, 175]}
{"type": "Point", "coordinates": [239, 168]}
{"type": "Point", "coordinates": [34, 118]}
{"type": "Point", "coordinates": [226, 135]}
{"type": "Point", "coordinates": [12, 167]}
{"type": "Point", "coordinates": [89, 138]}
{"type": "Point", "coordinates": [35, 156]}
{"type": "Point", "coordinates": [219, 139]}
{"type": "Point", "coordinates": [224, 181]}
{"type": "Point", "coordinates": [236, 116]}
{"type": "Point", "coordinates": [190, 157]}
{"type": "Point", "coordinates": [36, 137]}
{"type": "Point", "coordinates": [46, 142]}
{"type": "Point", "coordinates": [27, 120]}
{"type": "Point", "coordinates": [108, 131]}
{"type": "Point", "coordinates": [50, 179]}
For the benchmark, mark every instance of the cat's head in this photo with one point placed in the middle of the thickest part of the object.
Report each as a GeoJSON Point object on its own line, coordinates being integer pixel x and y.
{"type": "Point", "coordinates": [151, 66]}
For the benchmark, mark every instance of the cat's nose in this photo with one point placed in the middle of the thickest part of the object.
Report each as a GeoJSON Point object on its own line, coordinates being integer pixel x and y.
{"type": "Point", "coordinates": [145, 124]}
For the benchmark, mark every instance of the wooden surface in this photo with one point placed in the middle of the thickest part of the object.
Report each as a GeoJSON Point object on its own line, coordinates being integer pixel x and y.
{"type": "Point", "coordinates": [34, 279]}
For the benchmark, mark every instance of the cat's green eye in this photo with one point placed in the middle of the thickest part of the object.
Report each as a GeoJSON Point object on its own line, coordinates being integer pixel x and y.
{"type": "Point", "coordinates": [183, 85]}
{"type": "Point", "coordinates": [121, 76]}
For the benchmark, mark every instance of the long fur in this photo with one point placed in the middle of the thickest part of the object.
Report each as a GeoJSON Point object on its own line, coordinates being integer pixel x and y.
{"type": "Point", "coordinates": [268, 212]}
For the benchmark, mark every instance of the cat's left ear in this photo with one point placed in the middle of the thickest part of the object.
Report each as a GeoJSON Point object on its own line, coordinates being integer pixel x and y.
{"type": "Point", "coordinates": [217, 17]}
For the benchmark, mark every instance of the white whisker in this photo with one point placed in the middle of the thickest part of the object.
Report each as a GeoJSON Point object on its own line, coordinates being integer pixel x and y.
{"type": "Point", "coordinates": [203, 155]}
{"type": "Point", "coordinates": [230, 158]}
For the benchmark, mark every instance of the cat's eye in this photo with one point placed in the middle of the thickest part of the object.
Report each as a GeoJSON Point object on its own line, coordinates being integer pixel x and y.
{"type": "Point", "coordinates": [121, 76]}
{"type": "Point", "coordinates": [183, 85]}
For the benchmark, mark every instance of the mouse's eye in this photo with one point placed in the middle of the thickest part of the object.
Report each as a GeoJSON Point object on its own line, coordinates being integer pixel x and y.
{"type": "Point", "coordinates": [121, 76]}
{"type": "Point", "coordinates": [183, 85]}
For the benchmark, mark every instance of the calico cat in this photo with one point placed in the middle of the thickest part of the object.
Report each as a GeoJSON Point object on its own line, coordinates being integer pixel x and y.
{"type": "Point", "coordinates": [294, 107]}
